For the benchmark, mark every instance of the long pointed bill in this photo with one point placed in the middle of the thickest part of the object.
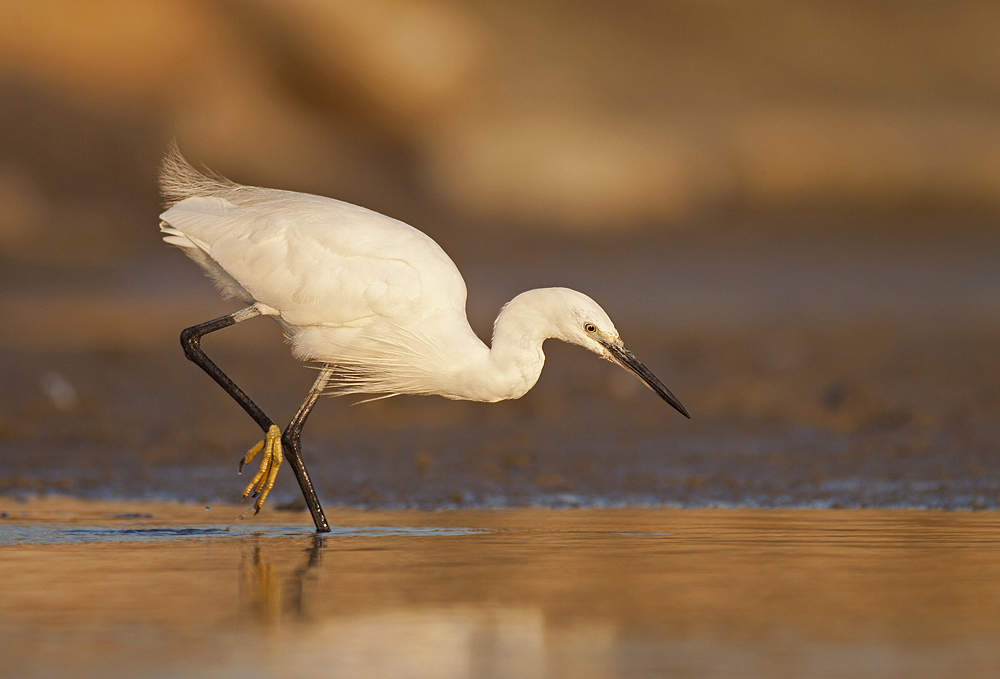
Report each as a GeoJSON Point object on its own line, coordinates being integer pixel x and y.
{"type": "Point", "coordinates": [623, 357]}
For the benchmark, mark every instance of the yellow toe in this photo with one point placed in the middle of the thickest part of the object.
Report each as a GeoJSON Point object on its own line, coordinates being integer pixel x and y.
{"type": "Point", "coordinates": [268, 483]}
{"type": "Point", "coordinates": [262, 482]}
{"type": "Point", "coordinates": [252, 453]}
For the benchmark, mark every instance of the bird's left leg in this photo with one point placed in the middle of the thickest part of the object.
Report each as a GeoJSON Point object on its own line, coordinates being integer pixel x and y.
{"type": "Point", "coordinates": [263, 481]}
{"type": "Point", "coordinates": [191, 341]}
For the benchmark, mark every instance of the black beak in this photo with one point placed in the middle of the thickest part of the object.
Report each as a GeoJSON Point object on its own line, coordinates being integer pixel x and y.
{"type": "Point", "coordinates": [623, 357]}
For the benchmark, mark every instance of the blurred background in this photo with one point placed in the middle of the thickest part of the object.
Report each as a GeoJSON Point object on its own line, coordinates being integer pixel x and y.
{"type": "Point", "coordinates": [789, 208]}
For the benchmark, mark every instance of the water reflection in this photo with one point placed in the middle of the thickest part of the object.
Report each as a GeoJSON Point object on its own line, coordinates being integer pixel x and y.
{"type": "Point", "coordinates": [295, 586]}
{"type": "Point", "coordinates": [267, 596]}
{"type": "Point", "coordinates": [521, 594]}
{"type": "Point", "coordinates": [425, 643]}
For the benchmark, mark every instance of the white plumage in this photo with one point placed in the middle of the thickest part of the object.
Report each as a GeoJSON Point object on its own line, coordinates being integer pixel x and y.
{"type": "Point", "coordinates": [377, 302]}
{"type": "Point", "coordinates": [373, 297]}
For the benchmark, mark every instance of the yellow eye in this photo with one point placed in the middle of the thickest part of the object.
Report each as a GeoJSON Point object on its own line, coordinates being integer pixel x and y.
{"type": "Point", "coordinates": [590, 327]}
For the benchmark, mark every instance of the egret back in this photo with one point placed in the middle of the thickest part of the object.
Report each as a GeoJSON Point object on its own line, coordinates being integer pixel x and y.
{"type": "Point", "coordinates": [318, 261]}
{"type": "Point", "coordinates": [375, 297]}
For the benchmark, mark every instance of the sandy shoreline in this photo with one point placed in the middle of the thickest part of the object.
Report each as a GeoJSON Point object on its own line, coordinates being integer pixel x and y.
{"type": "Point", "coordinates": [70, 511]}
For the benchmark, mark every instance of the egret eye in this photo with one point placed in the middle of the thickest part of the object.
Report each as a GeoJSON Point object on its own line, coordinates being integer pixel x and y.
{"type": "Point", "coordinates": [590, 327]}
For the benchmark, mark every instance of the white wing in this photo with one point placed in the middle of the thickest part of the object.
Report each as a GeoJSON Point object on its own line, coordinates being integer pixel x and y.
{"type": "Point", "coordinates": [319, 261]}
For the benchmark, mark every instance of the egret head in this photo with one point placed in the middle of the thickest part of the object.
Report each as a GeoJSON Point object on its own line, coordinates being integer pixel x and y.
{"type": "Point", "coordinates": [575, 318]}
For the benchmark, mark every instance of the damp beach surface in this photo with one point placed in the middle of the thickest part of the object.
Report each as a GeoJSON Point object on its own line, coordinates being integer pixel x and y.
{"type": "Point", "coordinates": [830, 511]}
{"type": "Point", "coordinates": [825, 372]}
{"type": "Point", "coordinates": [142, 589]}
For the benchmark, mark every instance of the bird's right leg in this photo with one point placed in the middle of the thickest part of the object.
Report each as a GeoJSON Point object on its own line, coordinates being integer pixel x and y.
{"type": "Point", "coordinates": [291, 439]}
{"type": "Point", "coordinates": [191, 341]}
{"type": "Point", "coordinates": [293, 432]}
{"type": "Point", "coordinates": [262, 482]}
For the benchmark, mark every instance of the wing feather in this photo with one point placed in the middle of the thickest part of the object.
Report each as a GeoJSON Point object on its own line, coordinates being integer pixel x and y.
{"type": "Point", "coordinates": [318, 260]}
{"type": "Point", "coordinates": [353, 287]}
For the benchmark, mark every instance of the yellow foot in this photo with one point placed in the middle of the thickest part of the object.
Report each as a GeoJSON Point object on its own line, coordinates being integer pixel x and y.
{"type": "Point", "coordinates": [263, 480]}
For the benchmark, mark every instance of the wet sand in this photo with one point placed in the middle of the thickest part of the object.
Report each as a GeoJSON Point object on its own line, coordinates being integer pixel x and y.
{"type": "Point", "coordinates": [145, 589]}
{"type": "Point", "coordinates": [845, 374]}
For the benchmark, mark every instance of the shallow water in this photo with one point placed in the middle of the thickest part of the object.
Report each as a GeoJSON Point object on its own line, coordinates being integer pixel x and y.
{"type": "Point", "coordinates": [41, 534]}
{"type": "Point", "coordinates": [838, 372]}
{"type": "Point", "coordinates": [497, 593]}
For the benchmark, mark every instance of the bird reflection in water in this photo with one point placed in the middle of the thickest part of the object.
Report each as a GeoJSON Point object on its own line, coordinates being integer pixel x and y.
{"type": "Point", "coordinates": [267, 595]}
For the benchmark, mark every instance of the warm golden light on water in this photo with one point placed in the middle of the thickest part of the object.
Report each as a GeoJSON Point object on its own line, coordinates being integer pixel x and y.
{"type": "Point", "coordinates": [518, 593]}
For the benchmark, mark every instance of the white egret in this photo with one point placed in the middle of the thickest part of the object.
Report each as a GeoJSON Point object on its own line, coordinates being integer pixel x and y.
{"type": "Point", "coordinates": [375, 301]}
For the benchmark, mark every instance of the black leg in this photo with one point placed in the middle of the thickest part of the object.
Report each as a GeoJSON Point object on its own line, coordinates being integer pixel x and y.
{"type": "Point", "coordinates": [291, 442]}
{"type": "Point", "coordinates": [294, 430]}
{"type": "Point", "coordinates": [191, 341]}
